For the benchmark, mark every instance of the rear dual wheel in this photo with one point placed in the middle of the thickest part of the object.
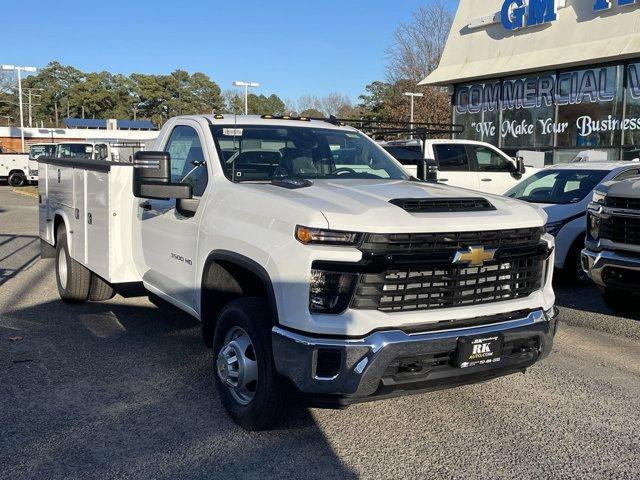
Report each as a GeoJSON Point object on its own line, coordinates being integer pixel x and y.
{"type": "Point", "coordinates": [76, 283]}
{"type": "Point", "coordinates": [17, 179]}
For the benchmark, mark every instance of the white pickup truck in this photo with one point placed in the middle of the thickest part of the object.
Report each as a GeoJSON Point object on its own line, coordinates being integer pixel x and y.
{"type": "Point", "coordinates": [463, 163]}
{"type": "Point", "coordinates": [320, 271]}
{"type": "Point", "coordinates": [17, 169]}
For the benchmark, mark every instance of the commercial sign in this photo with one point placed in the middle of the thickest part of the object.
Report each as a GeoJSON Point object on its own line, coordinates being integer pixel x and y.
{"type": "Point", "coordinates": [516, 14]}
{"type": "Point", "coordinates": [567, 88]}
{"type": "Point", "coordinates": [595, 85]}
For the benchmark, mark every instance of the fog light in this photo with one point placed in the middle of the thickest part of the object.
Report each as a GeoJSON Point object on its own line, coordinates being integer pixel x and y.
{"type": "Point", "coordinates": [330, 292]}
{"type": "Point", "coordinates": [594, 227]}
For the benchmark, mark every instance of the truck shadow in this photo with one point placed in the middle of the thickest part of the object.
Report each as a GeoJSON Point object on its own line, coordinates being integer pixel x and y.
{"type": "Point", "coordinates": [586, 298]}
{"type": "Point", "coordinates": [17, 253]}
{"type": "Point", "coordinates": [128, 389]}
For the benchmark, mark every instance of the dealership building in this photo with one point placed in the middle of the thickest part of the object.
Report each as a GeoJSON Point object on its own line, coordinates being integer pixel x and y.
{"type": "Point", "coordinates": [557, 76]}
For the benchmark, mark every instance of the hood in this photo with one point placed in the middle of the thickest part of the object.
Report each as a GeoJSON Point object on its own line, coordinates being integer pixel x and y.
{"type": "Point", "coordinates": [563, 211]}
{"type": "Point", "coordinates": [363, 205]}
{"type": "Point", "coordinates": [624, 188]}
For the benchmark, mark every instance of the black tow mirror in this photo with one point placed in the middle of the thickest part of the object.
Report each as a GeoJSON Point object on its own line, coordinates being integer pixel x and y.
{"type": "Point", "coordinates": [520, 169]}
{"type": "Point", "coordinates": [427, 170]}
{"type": "Point", "coordinates": [152, 177]}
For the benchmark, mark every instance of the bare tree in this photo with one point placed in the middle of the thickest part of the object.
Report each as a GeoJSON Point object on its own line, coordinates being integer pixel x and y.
{"type": "Point", "coordinates": [308, 102]}
{"type": "Point", "coordinates": [418, 45]}
{"type": "Point", "coordinates": [333, 103]}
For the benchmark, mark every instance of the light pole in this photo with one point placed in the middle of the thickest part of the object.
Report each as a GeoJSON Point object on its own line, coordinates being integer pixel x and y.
{"type": "Point", "coordinates": [18, 71]}
{"type": "Point", "coordinates": [413, 95]}
{"type": "Point", "coordinates": [246, 86]}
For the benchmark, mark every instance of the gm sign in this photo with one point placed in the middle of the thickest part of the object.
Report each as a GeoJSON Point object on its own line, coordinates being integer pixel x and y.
{"type": "Point", "coordinates": [516, 14]}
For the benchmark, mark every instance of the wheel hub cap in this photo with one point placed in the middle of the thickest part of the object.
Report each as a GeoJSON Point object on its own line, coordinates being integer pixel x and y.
{"type": "Point", "coordinates": [62, 268]}
{"type": "Point", "coordinates": [237, 367]}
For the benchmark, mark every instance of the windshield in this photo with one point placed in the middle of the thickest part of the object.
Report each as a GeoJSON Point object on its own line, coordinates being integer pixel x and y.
{"type": "Point", "coordinates": [75, 150]}
{"type": "Point", "coordinates": [557, 186]}
{"type": "Point", "coordinates": [38, 151]}
{"type": "Point", "coordinates": [264, 153]}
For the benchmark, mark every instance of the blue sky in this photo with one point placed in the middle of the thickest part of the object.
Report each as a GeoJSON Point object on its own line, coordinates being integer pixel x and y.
{"type": "Point", "coordinates": [291, 47]}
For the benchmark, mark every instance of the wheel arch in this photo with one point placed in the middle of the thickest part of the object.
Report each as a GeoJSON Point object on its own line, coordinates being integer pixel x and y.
{"type": "Point", "coordinates": [60, 218]}
{"type": "Point", "coordinates": [229, 275]}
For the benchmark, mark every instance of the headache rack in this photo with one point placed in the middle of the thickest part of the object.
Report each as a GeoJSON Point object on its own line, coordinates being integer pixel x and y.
{"type": "Point", "coordinates": [382, 129]}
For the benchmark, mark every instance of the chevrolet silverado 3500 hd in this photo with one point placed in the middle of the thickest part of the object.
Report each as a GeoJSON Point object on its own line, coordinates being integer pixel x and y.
{"type": "Point", "coordinates": [612, 254]}
{"type": "Point", "coordinates": [319, 269]}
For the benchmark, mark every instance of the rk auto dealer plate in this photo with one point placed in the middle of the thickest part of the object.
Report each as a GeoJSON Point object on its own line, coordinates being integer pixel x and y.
{"type": "Point", "coordinates": [474, 351]}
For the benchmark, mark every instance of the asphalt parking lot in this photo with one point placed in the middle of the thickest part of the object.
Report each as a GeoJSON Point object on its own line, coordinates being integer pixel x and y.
{"type": "Point", "coordinates": [124, 389]}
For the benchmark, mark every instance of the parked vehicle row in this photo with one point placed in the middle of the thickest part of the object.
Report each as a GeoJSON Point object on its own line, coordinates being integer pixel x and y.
{"type": "Point", "coordinates": [321, 271]}
{"type": "Point", "coordinates": [564, 191]}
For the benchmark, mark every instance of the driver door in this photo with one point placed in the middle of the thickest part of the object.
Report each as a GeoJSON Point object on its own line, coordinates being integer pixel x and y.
{"type": "Point", "coordinates": [495, 171]}
{"type": "Point", "coordinates": [170, 238]}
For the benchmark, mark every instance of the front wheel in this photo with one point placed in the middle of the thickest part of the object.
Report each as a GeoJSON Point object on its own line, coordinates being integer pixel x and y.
{"type": "Point", "coordinates": [245, 373]}
{"type": "Point", "coordinates": [17, 179]}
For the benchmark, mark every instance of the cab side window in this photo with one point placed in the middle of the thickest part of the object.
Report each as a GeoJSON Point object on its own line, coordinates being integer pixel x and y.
{"type": "Point", "coordinates": [187, 159]}
{"type": "Point", "coordinates": [489, 160]}
{"type": "Point", "coordinates": [627, 174]}
{"type": "Point", "coordinates": [451, 157]}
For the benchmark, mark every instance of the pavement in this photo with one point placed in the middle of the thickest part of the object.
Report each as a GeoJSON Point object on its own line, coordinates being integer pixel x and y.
{"type": "Point", "coordinates": [124, 389]}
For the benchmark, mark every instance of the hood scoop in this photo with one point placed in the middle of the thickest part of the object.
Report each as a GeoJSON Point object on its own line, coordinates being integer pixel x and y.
{"type": "Point", "coordinates": [439, 205]}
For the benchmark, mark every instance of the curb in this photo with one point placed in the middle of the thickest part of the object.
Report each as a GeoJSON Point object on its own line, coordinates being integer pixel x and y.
{"type": "Point", "coordinates": [25, 193]}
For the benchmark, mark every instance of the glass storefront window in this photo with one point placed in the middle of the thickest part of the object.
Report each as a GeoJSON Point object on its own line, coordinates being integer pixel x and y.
{"type": "Point", "coordinates": [632, 117]}
{"type": "Point", "coordinates": [590, 105]}
{"type": "Point", "coordinates": [561, 113]}
{"type": "Point", "coordinates": [476, 107]}
{"type": "Point", "coordinates": [528, 112]}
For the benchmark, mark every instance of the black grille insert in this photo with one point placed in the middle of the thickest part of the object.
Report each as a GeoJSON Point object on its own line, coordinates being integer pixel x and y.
{"type": "Point", "coordinates": [448, 285]}
{"type": "Point", "coordinates": [436, 205]}
{"type": "Point", "coordinates": [413, 243]}
{"type": "Point", "coordinates": [623, 202]}
{"type": "Point", "coordinates": [620, 229]}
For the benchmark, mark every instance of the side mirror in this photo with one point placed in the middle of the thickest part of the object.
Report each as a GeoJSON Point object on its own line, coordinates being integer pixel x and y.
{"type": "Point", "coordinates": [427, 170]}
{"type": "Point", "coordinates": [152, 178]}
{"type": "Point", "coordinates": [519, 169]}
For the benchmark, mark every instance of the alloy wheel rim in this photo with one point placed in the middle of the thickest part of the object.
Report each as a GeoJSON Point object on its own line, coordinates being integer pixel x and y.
{"type": "Point", "coordinates": [237, 367]}
{"type": "Point", "coordinates": [62, 268]}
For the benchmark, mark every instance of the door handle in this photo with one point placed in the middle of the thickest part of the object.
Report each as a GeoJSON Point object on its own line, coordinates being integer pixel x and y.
{"type": "Point", "coordinates": [443, 179]}
{"type": "Point", "coordinates": [486, 179]}
{"type": "Point", "coordinates": [145, 206]}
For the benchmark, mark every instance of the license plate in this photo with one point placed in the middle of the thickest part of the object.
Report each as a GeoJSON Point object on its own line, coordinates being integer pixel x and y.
{"type": "Point", "coordinates": [474, 351]}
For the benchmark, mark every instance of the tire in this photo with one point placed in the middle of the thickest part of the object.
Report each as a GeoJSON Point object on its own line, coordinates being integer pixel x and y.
{"type": "Point", "coordinates": [243, 332]}
{"type": "Point", "coordinates": [572, 272]}
{"type": "Point", "coordinates": [100, 290]}
{"type": "Point", "coordinates": [17, 179]}
{"type": "Point", "coordinates": [620, 302]}
{"type": "Point", "coordinates": [73, 279]}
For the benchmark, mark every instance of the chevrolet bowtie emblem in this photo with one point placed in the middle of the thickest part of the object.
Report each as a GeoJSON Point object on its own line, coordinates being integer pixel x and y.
{"type": "Point", "coordinates": [474, 256]}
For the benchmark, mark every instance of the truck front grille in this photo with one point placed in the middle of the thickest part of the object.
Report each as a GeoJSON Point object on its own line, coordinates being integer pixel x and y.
{"type": "Point", "coordinates": [623, 202]}
{"type": "Point", "coordinates": [620, 229]}
{"type": "Point", "coordinates": [447, 285]}
{"type": "Point", "coordinates": [417, 243]}
{"type": "Point", "coordinates": [424, 277]}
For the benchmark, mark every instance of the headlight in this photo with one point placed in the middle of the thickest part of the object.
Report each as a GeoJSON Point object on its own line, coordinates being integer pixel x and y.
{"type": "Point", "coordinates": [598, 197]}
{"type": "Point", "coordinates": [554, 227]}
{"type": "Point", "coordinates": [593, 223]}
{"type": "Point", "coordinates": [308, 235]}
{"type": "Point", "coordinates": [330, 292]}
{"type": "Point", "coordinates": [33, 173]}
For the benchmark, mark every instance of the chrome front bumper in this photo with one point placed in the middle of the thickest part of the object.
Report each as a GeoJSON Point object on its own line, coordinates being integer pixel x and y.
{"type": "Point", "coordinates": [594, 263]}
{"type": "Point", "coordinates": [364, 362]}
